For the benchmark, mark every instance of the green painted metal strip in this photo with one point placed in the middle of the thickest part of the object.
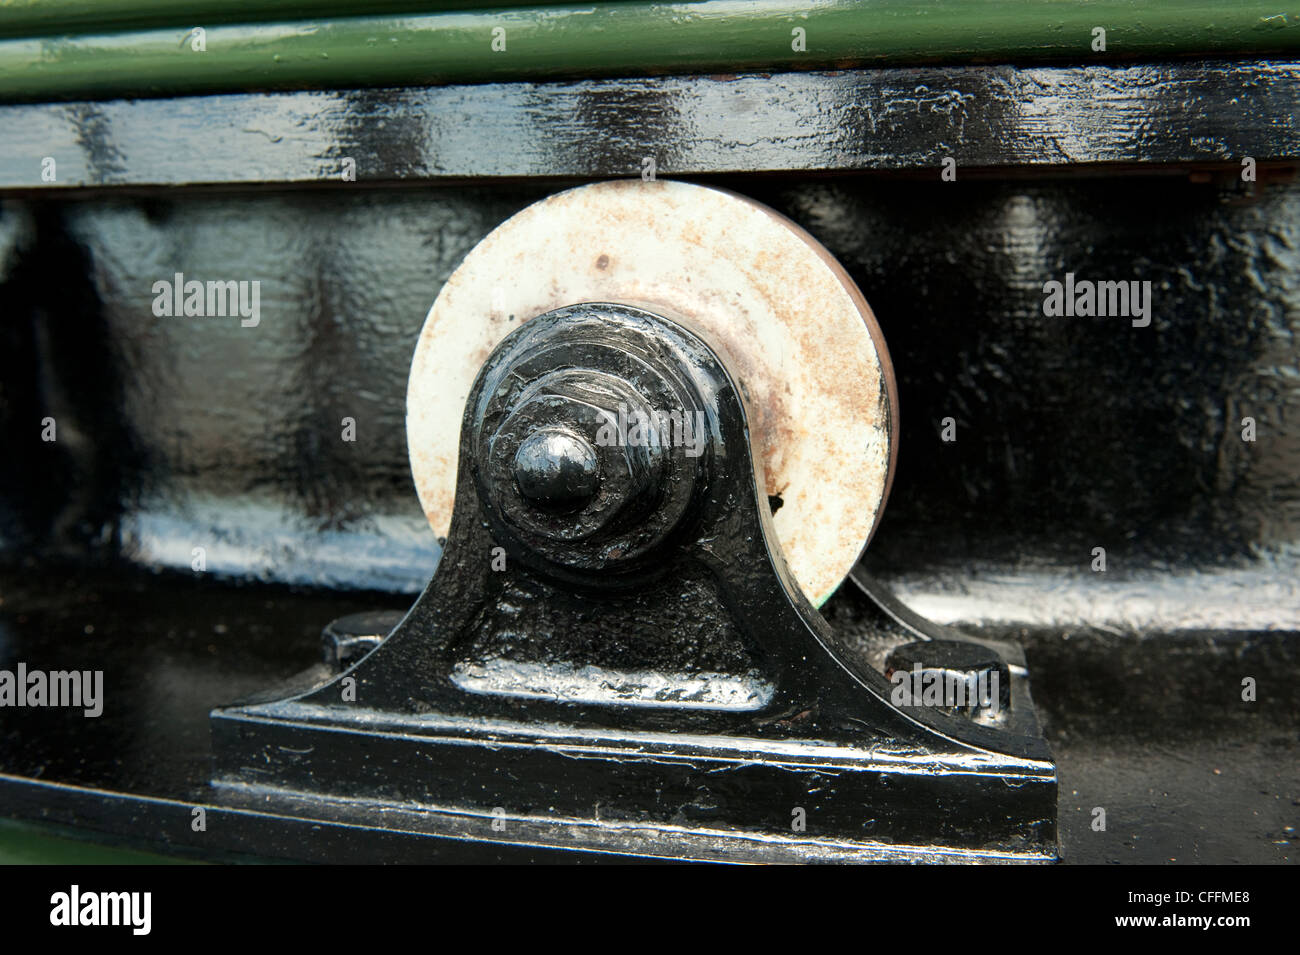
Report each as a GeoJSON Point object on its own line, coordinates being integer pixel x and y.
{"type": "Point", "coordinates": [56, 17]}
{"type": "Point", "coordinates": [629, 39]}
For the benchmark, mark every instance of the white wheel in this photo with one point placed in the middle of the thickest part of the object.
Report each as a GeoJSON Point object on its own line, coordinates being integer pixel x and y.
{"type": "Point", "coordinates": [785, 317]}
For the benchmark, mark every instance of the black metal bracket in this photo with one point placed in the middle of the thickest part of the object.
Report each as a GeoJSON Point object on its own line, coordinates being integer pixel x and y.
{"type": "Point", "coordinates": [612, 655]}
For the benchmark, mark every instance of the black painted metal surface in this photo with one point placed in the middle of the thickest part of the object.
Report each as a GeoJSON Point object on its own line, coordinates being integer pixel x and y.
{"type": "Point", "coordinates": [1071, 433]}
{"type": "Point", "coordinates": [1189, 112]}
{"type": "Point", "coordinates": [637, 670]}
{"type": "Point", "coordinates": [1214, 781]}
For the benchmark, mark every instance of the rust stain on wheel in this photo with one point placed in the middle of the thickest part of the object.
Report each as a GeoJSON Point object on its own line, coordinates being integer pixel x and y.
{"type": "Point", "coordinates": [791, 325]}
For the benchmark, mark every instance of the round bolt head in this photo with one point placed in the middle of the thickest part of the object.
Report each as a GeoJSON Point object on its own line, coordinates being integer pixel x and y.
{"type": "Point", "coordinates": [556, 469]}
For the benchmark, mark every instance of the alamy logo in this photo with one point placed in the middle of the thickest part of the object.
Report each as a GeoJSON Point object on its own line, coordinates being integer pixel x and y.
{"type": "Point", "coordinates": [71, 688]}
{"type": "Point", "coordinates": [213, 299]}
{"type": "Point", "coordinates": [658, 429]}
{"type": "Point", "coordinates": [928, 687]}
{"type": "Point", "coordinates": [1085, 298]}
{"type": "Point", "coordinates": [75, 907]}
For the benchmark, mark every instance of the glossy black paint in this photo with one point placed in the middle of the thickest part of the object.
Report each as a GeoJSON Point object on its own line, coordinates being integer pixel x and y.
{"type": "Point", "coordinates": [600, 395]}
{"type": "Point", "coordinates": [1071, 433]}
{"type": "Point", "coordinates": [890, 119]}
{"type": "Point", "coordinates": [1121, 728]}
{"type": "Point", "coordinates": [346, 640]}
{"type": "Point", "coordinates": [581, 668]}
{"type": "Point", "coordinates": [983, 676]}
{"type": "Point", "coordinates": [556, 470]}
